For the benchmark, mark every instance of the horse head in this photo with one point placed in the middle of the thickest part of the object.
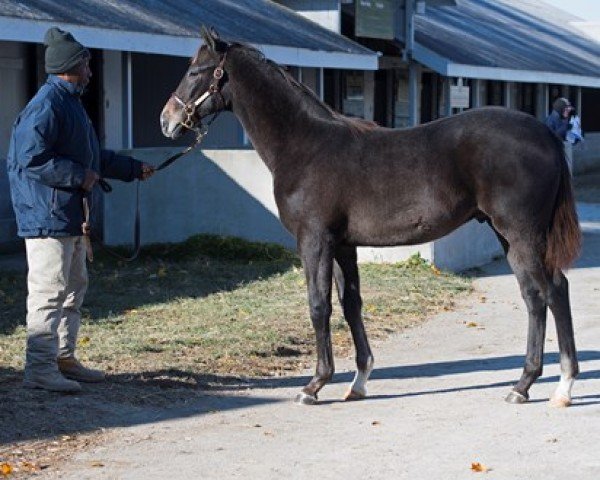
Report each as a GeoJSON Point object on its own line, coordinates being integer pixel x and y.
{"type": "Point", "coordinates": [202, 90]}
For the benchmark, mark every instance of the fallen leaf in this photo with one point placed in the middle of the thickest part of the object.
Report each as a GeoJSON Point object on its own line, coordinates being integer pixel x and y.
{"type": "Point", "coordinates": [479, 467]}
{"type": "Point", "coordinates": [96, 463]}
{"type": "Point", "coordinates": [483, 299]}
{"type": "Point", "coordinates": [375, 423]}
{"type": "Point", "coordinates": [471, 324]}
{"type": "Point", "coordinates": [83, 341]}
{"type": "Point", "coordinates": [435, 270]}
{"type": "Point", "coordinates": [29, 467]}
{"type": "Point", "coordinates": [5, 468]}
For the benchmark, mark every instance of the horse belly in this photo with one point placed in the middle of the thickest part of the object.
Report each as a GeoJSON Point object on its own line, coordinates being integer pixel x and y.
{"type": "Point", "coordinates": [406, 228]}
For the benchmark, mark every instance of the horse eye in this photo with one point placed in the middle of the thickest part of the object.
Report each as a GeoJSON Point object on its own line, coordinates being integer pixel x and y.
{"type": "Point", "coordinates": [197, 70]}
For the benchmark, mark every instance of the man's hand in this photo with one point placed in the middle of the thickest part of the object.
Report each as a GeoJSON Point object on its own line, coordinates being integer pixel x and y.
{"type": "Point", "coordinates": [147, 171]}
{"type": "Point", "coordinates": [90, 180]}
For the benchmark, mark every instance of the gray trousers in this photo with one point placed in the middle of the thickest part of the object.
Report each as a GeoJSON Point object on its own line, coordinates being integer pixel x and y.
{"type": "Point", "coordinates": [57, 281]}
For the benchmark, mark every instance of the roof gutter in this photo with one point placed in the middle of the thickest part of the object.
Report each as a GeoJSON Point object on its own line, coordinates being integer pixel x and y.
{"type": "Point", "coordinates": [25, 30]}
{"type": "Point", "coordinates": [445, 67]}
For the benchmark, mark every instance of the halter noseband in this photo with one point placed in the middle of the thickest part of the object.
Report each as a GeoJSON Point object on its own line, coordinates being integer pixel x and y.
{"type": "Point", "coordinates": [190, 108]}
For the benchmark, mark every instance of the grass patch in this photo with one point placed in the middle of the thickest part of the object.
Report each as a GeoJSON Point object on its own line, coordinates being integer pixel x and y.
{"type": "Point", "coordinates": [221, 306]}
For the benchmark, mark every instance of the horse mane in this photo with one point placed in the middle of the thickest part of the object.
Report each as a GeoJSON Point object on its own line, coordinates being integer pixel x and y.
{"type": "Point", "coordinates": [356, 125]}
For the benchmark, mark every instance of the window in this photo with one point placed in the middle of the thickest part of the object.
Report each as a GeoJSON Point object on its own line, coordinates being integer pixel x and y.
{"type": "Point", "coordinates": [353, 94]}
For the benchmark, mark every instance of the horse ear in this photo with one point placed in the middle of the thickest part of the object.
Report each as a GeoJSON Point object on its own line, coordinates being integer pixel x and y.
{"type": "Point", "coordinates": [220, 45]}
{"type": "Point", "coordinates": [207, 38]}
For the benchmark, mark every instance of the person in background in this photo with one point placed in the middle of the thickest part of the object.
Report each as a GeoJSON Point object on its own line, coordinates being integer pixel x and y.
{"type": "Point", "coordinates": [558, 120]}
{"type": "Point", "coordinates": [54, 161]}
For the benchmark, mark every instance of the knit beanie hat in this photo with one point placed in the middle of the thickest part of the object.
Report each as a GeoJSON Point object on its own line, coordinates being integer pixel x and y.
{"type": "Point", "coordinates": [63, 52]}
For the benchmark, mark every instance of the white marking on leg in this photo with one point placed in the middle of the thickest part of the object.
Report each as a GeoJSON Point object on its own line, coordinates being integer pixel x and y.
{"type": "Point", "coordinates": [562, 394]}
{"type": "Point", "coordinates": [359, 384]}
{"type": "Point", "coordinates": [564, 387]}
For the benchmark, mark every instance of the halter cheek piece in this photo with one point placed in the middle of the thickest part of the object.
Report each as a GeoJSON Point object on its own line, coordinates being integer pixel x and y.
{"type": "Point", "coordinates": [190, 108]}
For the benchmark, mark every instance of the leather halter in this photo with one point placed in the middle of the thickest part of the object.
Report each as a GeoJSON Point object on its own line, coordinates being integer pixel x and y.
{"type": "Point", "coordinates": [190, 108]}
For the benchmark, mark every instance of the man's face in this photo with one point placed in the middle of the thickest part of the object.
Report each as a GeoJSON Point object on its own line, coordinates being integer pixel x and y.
{"type": "Point", "coordinates": [82, 73]}
{"type": "Point", "coordinates": [567, 111]}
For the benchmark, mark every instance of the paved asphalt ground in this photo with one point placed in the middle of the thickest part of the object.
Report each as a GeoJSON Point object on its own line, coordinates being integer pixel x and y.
{"type": "Point", "coordinates": [435, 406]}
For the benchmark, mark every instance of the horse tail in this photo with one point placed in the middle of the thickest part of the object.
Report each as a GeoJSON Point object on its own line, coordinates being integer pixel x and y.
{"type": "Point", "coordinates": [564, 235]}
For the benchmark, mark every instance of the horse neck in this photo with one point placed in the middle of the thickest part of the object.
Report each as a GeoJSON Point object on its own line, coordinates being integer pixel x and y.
{"type": "Point", "coordinates": [271, 110]}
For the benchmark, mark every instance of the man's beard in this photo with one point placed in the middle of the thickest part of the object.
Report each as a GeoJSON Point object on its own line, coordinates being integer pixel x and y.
{"type": "Point", "coordinates": [82, 89]}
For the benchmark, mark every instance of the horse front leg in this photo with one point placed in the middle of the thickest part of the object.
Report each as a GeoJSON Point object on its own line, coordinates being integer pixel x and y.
{"type": "Point", "coordinates": [317, 259]}
{"type": "Point", "coordinates": [345, 273]}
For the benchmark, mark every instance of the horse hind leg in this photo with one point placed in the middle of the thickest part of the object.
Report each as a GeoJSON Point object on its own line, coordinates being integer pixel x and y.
{"type": "Point", "coordinates": [345, 271]}
{"type": "Point", "coordinates": [569, 367]}
{"type": "Point", "coordinates": [527, 266]}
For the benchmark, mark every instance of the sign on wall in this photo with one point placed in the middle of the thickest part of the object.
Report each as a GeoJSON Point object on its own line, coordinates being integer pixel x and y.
{"type": "Point", "coordinates": [385, 19]}
{"type": "Point", "coordinates": [459, 96]}
{"type": "Point", "coordinates": [378, 18]}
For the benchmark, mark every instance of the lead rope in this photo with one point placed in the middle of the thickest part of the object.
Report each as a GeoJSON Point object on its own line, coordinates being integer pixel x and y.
{"type": "Point", "coordinates": [88, 235]}
{"type": "Point", "coordinates": [86, 227]}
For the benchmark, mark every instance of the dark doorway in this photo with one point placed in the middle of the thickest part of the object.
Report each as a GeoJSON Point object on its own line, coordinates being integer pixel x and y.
{"type": "Point", "coordinates": [380, 112]}
{"type": "Point", "coordinates": [590, 106]}
{"type": "Point", "coordinates": [429, 97]}
{"type": "Point", "coordinates": [93, 98]}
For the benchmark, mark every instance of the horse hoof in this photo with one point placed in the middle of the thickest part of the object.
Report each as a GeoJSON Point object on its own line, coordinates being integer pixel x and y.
{"type": "Point", "coordinates": [558, 401]}
{"type": "Point", "coordinates": [306, 399]}
{"type": "Point", "coordinates": [354, 395]}
{"type": "Point", "coordinates": [516, 397]}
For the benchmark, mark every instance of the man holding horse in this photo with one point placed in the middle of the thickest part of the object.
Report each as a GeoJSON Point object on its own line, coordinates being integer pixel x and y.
{"type": "Point", "coordinates": [54, 161]}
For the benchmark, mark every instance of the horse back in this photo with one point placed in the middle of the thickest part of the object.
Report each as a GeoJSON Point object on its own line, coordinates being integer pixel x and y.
{"type": "Point", "coordinates": [390, 187]}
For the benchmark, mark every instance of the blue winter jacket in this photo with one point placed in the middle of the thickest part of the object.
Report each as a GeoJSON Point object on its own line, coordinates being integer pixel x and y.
{"type": "Point", "coordinates": [558, 124]}
{"type": "Point", "coordinates": [52, 144]}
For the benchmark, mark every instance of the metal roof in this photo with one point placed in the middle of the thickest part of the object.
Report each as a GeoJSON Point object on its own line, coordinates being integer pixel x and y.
{"type": "Point", "coordinates": [172, 27]}
{"type": "Point", "coordinates": [511, 40]}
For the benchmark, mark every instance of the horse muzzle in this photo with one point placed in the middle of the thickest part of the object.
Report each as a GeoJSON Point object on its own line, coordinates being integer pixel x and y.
{"type": "Point", "coordinates": [170, 125]}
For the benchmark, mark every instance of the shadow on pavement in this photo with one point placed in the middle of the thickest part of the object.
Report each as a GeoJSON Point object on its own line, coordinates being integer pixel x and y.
{"type": "Point", "coordinates": [124, 400]}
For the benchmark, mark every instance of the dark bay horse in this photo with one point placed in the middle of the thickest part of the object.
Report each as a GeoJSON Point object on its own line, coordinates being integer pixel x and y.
{"type": "Point", "coordinates": [341, 183]}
